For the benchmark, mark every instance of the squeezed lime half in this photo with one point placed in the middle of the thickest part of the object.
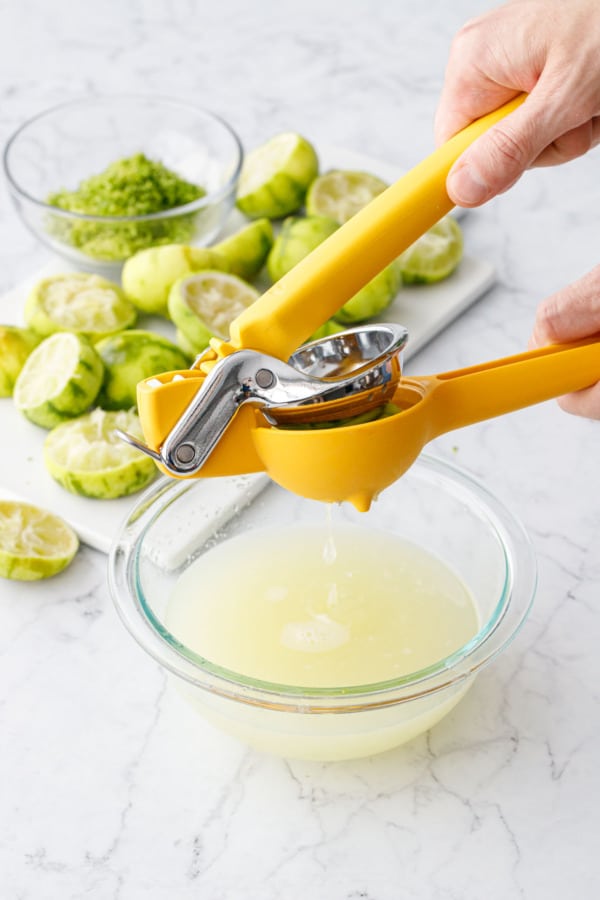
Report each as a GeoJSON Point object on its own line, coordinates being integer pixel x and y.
{"type": "Point", "coordinates": [34, 543]}
{"type": "Point", "coordinates": [86, 456]}
{"type": "Point", "coordinates": [435, 255]}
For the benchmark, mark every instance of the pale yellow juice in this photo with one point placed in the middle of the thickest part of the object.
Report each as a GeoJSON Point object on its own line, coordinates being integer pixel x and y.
{"type": "Point", "coordinates": [321, 607]}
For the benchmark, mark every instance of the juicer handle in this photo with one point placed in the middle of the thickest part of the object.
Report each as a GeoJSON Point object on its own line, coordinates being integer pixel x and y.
{"type": "Point", "coordinates": [293, 308]}
{"type": "Point", "coordinates": [470, 395]}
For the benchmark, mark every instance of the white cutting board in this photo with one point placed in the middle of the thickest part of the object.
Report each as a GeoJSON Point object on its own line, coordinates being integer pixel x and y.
{"type": "Point", "coordinates": [425, 310]}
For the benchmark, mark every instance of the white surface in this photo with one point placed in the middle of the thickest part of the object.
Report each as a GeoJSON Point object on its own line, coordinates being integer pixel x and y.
{"type": "Point", "coordinates": [424, 310]}
{"type": "Point", "coordinates": [111, 789]}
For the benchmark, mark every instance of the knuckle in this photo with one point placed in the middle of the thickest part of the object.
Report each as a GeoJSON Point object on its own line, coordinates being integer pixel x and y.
{"type": "Point", "coordinates": [573, 144]}
{"type": "Point", "coordinates": [508, 147]}
{"type": "Point", "coordinates": [547, 319]}
{"type": "Point", "coordinates": [466, 39]}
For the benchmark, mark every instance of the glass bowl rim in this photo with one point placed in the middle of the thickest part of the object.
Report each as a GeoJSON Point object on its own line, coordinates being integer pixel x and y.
{"type": "Point", "coordinates": [187, 208]}
{"type": "Point", "coordinates": [495, 634]}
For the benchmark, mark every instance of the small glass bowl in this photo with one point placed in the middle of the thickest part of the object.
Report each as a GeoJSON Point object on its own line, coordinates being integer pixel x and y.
{"type": "Point", "coordinates": [63, 146]}
{"type": "Point", "coordinates": [434, 505]}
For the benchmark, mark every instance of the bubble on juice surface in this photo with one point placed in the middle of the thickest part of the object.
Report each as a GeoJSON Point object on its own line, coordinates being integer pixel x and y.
{"type": "Point", "coordinates": [276, 593]}
{"type": "Point", "coordinates": [316, 635]}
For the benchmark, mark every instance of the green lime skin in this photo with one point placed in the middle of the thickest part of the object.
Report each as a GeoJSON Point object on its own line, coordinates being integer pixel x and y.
{"type": "Point", "coordinates": [86, 457]}
{"type": "Point", "coordinates": [107, 486]}
{"type": "Point", "coordinates": [186, 345]}
{"type": "Point", "coordinates": [326, 330]}
{"type": "Point", "coordinates": [298, 236]}
{"type": "Point", "coordinates": [44, 402]}
{"type": "Point", "coordinates": [148, 276]}
{"type": "Point", "coordinates": [15, 346]}
{"type": "Point", "coordinates": [276, 176]}
{"type": "Point", "coordinates": [373, 299]}
{"type": "Point", "coordinates": [246, 251]}
{"type": "Point", "coordinates": [130, 357]}
{"type": "Point", "coordinates": [371, 415]}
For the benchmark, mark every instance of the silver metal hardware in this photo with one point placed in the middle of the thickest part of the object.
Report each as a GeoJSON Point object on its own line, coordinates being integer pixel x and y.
{"type": "Point", "coordinates": [139, 445]}
{"type": "Point", "coordinates": [185, 454]}
{"type": "Point", "coordinates": [264, 378]}
{"type": "Point", "coordinates": [353, 365]}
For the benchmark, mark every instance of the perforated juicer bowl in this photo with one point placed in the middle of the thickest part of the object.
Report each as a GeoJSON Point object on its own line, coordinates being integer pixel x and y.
{"type": "Point", "coordinates": [435, 505]}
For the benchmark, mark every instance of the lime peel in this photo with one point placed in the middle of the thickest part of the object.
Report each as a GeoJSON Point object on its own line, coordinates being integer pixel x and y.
{"type": "Point", "coordinates": [15, 346]}
{"type": "Point", "coordinates": [130, 357]}
{"type": "Point", "coordinates": [299, 235]}
{"type": "Point", "coordinates": [276, 176]}
{"type": "Point", "coordinates": [372, 299]}
{"type": "Point", "coordinates": [60, 379]}
{"type": "Point", "coordinates": [148, 275]}
{"type": "Point", "coordinates": [87, 457]}
{"type": "Point", "coordinates": [246, 251]}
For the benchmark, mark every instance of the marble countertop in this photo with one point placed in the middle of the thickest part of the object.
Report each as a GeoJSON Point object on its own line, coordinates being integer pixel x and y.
{"type": "Point", "coordinates": [111, 788]}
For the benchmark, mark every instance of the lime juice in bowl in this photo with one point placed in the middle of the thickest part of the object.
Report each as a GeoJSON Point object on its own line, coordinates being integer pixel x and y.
{"type": "Point", "coordinates": [293, 672]}
{"type": "Point", "coordinates": [337, 605]}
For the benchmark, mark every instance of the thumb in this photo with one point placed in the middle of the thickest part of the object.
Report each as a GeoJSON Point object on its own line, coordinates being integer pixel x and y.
{"type": "Point", "coordinates": [570, 314]}
{"type": "Point", "coordinates": [497, 159]}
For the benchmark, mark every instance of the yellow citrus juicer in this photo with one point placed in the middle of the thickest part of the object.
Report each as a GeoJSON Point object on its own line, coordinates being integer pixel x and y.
{"type": "Point", "coordinates": [247, 404]}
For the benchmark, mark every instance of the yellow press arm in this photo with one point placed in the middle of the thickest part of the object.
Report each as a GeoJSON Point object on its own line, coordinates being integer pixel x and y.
{"type": "Point", "coordinates": [336, 464]}
{"type": "Point", "coordinates": [290, 311]}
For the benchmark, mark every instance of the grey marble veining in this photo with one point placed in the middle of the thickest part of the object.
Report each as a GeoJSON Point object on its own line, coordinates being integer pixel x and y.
{"type": "Point", "coordinates": [111, 789]}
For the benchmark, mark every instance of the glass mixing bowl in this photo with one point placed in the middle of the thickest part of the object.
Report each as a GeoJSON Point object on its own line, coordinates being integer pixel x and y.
{"type": "Point", "coordinates": [434, 505]}
{"type": "Point", "coordinates": [63, 146]}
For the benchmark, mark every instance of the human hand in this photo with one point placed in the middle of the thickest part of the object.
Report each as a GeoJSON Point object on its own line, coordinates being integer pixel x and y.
{"type": "Point", "coordinates": [569, 315]}
{"type": "Point", "coordinates": [549, 49]}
